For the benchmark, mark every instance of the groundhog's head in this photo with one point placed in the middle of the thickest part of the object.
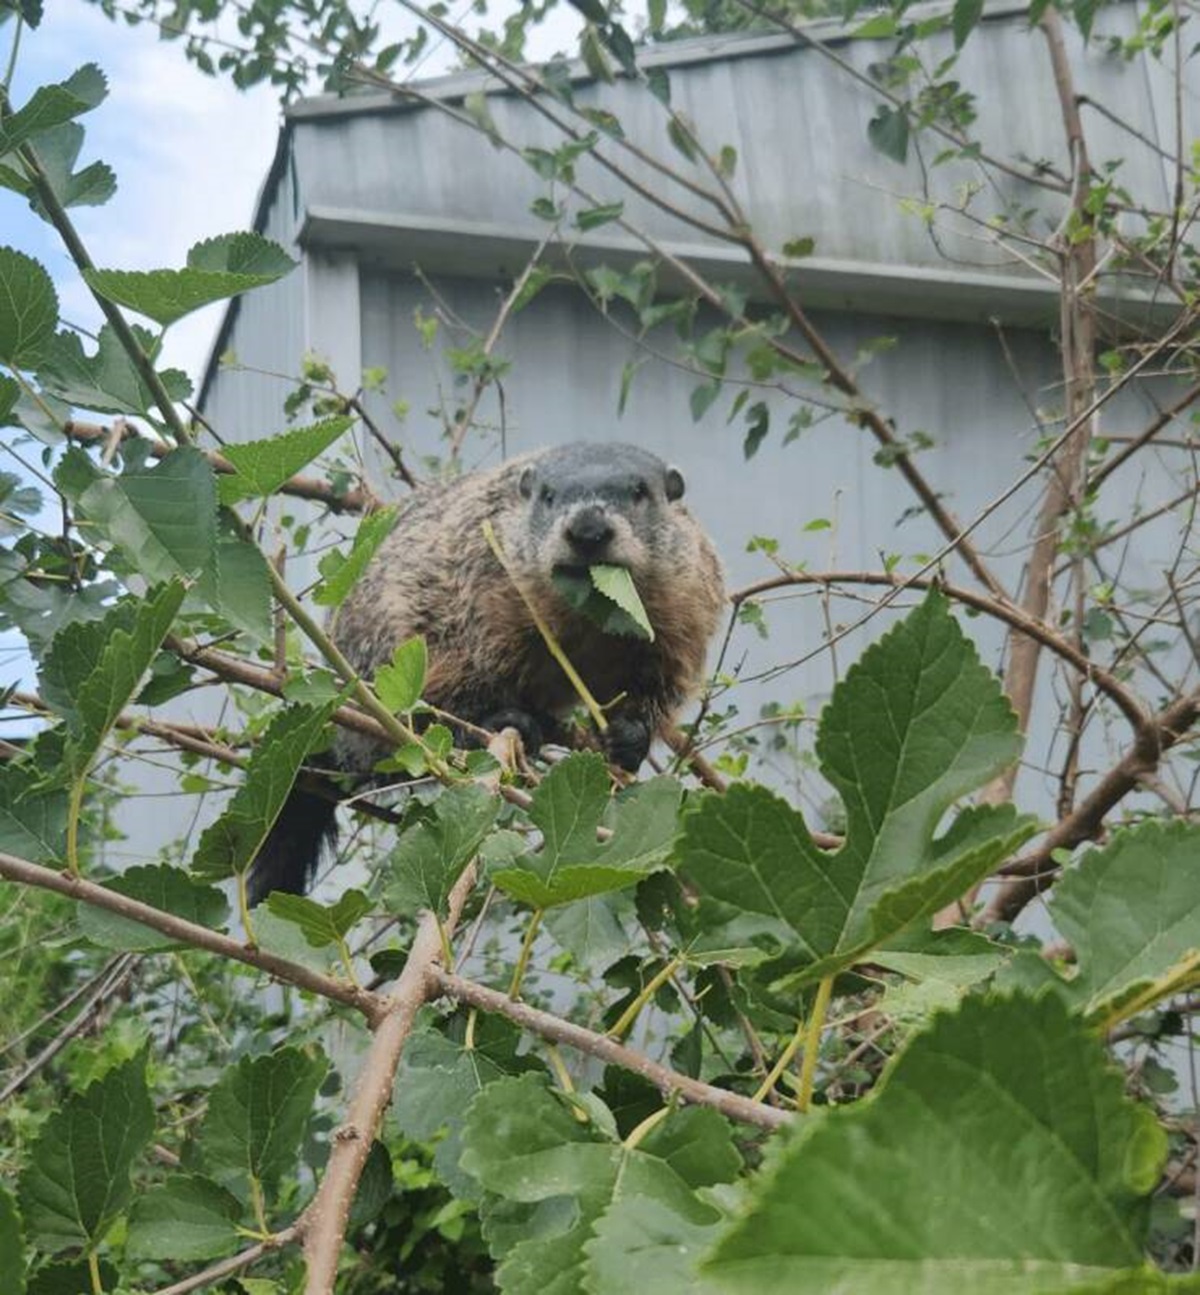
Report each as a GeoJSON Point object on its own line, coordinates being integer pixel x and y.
{"type": "Point", "coordinates": [593, 504]}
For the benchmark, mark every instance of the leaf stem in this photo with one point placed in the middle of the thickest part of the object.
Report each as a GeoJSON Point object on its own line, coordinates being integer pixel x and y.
{"type": "Point", "coordinates": [650, 1123]}
{"type": "Point", "coordinates": [447, 951]}
{"type": "Point", "coordinates": [13, 52]}
{"type": "Point", "coordinates": [469, 1034]}
{"type": "Point", "coordinates": [1180, 978]}
{"type": "Point", "coordinates": [514, 989]}
{"type": "Point", "coordinates": [631, 1013]}
{"type": "Point", "coordinates": [812, 1042]}
{"type": "Point", "coordinates": [243, 899]}
{"type": "Point", "coordinates": [348, 959]}
{"type": "Point", "coordinates": [94, 1273]}
{"type": "Point", "coordinates": [785, 1060]}
{"type": "Point", "coordinates": [553, 645]}
{"type": "Point", "coordinates": [260, 1214]}
{"type": "Point", "coordinates": [559, 1066]}
{"type": "Point", "coordinates": [74, 810]}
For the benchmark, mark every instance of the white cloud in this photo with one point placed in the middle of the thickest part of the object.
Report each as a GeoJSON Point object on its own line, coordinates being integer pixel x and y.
{"type": "Point", "coordinates": [189, 152]}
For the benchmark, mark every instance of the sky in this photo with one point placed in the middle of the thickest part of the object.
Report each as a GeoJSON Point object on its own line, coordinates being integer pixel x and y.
{"type": "Point", "coordinates": [189, 152]}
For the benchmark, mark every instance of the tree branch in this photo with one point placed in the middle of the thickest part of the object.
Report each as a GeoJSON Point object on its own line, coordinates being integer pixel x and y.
{"type": "Point", "coordinates": [556, 1030]}
{"type": "Point", "coordinates": [1032, 873]}
{"type": "Point", "coordinates": [190, 933]}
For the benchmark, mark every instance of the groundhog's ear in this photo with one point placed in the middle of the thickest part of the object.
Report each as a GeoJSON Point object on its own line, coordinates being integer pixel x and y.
{"type": "Point", "coordinates": [526, 483]}
{"type": "Point", "coordinates": [674, 484]}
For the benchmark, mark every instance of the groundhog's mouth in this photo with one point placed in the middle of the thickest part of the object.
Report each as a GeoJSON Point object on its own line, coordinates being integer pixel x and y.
{"type": "Point", "coordinates": [581, 570]}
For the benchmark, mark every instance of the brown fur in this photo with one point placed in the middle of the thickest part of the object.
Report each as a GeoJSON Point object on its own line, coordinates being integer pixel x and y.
{"type": "Point", "coordinates": [436, 575]}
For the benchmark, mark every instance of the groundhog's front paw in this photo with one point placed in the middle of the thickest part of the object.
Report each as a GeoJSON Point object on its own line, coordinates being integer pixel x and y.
{"type": "Point", "coordinates": [526, 724]}
{"type": "Point", "coordinates": [627, 741]}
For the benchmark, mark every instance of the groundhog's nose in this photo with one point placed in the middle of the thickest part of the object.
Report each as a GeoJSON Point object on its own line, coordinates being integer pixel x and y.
{"type": "Point", "coordinates": [589, 530]}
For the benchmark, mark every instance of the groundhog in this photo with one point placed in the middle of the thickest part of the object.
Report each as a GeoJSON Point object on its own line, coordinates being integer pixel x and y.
{"type": "Point", "coordinates": [560, 511]}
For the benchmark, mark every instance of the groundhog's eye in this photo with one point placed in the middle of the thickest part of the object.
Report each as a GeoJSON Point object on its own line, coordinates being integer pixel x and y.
{"type": "Point", "coordinates": [546, 495]}
{"type": "Point", "coordinates": [641, 492]}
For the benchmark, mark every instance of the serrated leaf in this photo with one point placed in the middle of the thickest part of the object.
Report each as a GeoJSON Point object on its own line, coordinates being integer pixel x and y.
{"type": "Point", "coordinates": [188, 1217]}
{"type": "Point", "coordinates": [57, 151]}
{"type": "Point", "coordinates": [77, 1180]}
{"type": "Point", "coordinates": [10, 393]}
{"type": "Point", "coordinates": [106, 381]}
{"type": "Point", "coordinates": [12, 1246]}
{"type": "Point", "coordinates": [964, 20]}
{"type": "Point", "coordinates": [439, 1077]}
{"type": "Point", "coordinates": [526, 1144]}
{"type": "Point", "coordinates": [237, 585]}
{"type": "Point", "coordinates": [568, 806]}
{"type": "Point", "coordinates": [94, 668]}
{"type": "Point", "coordinates": [399, 684]}
{"type": "Point", "coordinates": [257, 1116]}
{"type": "Point", "coordinates": [264, 466]}
{"type": "Point", "coordinates": [432, 853]}
{"type": "Point", "coordinates": [160, 886]}
{"type": "Point", "coordinates": [340, 572]}
{"type": "Point", "coordinates": [702, 398]}
{"type": "Point", "coordinates": [917, 723]}
{"type": "Point", "coordinates": [219, 268]}
{"type": "Point", "coordinates": [321, 924]}
{"type": "Point", "coordinates": [33, 820]}
{"type": "Point", "coordinates": [164, 518]}
{"type": "Point", "coordinates": [593, 930]}
{"type": "Point", "coordinates": [616, 584]}
{"type": "Point", "coordinates": [578, 591]}
{"type": "Point", "coordinates": [644, 1245]}
{"type": "Point", "coordinates": [1131, 911]}
{"type": "Point", "coordinates": [50, 105]}
{"type": "Point", "coordinates": [28, 308]}
{"type": "Point", "coordinates": [888, 131]}
{"type": "Point", "coordinates": [244, 252]}
{"type": "Point", "coordinates": [229, 845]}
{"type": "Point", "coordinates": [998, 1154]}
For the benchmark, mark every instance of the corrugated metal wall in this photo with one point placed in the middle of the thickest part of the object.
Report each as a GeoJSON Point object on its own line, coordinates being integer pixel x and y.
{"type": "Point", "coordinates": [805, 167]}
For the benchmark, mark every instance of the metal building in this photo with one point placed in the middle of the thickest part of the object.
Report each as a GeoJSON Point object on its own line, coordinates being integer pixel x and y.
{"type": "Point", "coordinates": [394, 208]}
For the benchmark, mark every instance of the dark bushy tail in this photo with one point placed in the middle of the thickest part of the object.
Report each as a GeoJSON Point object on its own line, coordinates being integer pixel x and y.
{"type": "Point", "coordinates": [289, 856]}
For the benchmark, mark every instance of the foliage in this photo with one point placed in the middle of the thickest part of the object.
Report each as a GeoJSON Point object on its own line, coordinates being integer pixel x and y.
{"type": "Point", "coordinates": [808, 1084]}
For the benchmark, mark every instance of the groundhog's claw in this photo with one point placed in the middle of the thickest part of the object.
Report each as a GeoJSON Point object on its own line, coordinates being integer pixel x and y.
{"type": "Point", "coordinates": [627, 741]}
{"type": "Point", "coordinates": [526, 724]}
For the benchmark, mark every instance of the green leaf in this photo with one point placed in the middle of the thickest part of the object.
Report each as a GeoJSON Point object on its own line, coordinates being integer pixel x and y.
{"type": "Point", "coordinates": [702, 398]}
{"type": "Point", "coordinates": [12, 1246]}
{"type": "Point", "coordinates": [432, 853]}
{"type": "Point", "coordinates": [187, 1218]}
{"type": "Point", "coordinates": [881, 26]}
{"type": "Point", "coordinates": [228, 845]}
{"type": "Point", "coordinates": [591, 50]}
{"type": "Point", "coordinates": [578, 590]}
{"type": "Point", "coordinates": [528, 1145]}
{"type": "Point", "coordinates": [51, 105]}
{"type": "Point", "coordinates": [76, 1182]}
{"type": "Point", "coordinates": [219, 268]}
{"type": "Point", "coordinates": [94, 668]}
{"type": "Point", "coordinates": [257, 1116]}
{"type": "Point", "coordinates": [340, 572]}
{"type": "Point", "coordinates": [237, 584]}
{"type": "Point", "coordinates": [322, 924]}
{"type": "Point", "coordinates": [441, 1074]}
{"type": "Point", "coordinates": [264, 466]}
{"type": "Point", "coordinates": [568, 806]}
{"type": "Point", "coordinates": [163, 518]}
{"type": "Point", "coordinates": [33, 820]}
{"type": "Point", "coordinates": [241, 253]}
{"type": "Point", "coordinates": [160, 886]}
{"type": "Point", "coordinates": [57, 151]}
{"type": "Point", "coordinates": [964, 20]}
{"type": "Point", "coordinates": [1131, 911]}
{"type": "Point", "coordinates": [107, 381]}
{"type": "Point", "coordinates": [998, 1154]}
{"type": "Point", "coordinates": [616, 584]}
{"type": "Point", "coordinates": [28, 309]}
{"type": "Point", "coordinates": [888, 132]}
{"type": "Point", "coordinates": [399, 684]}
{"type": "Point", "coordinates": [594, 217]}
{"type": "Point", "coordinates": [917, 723]}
